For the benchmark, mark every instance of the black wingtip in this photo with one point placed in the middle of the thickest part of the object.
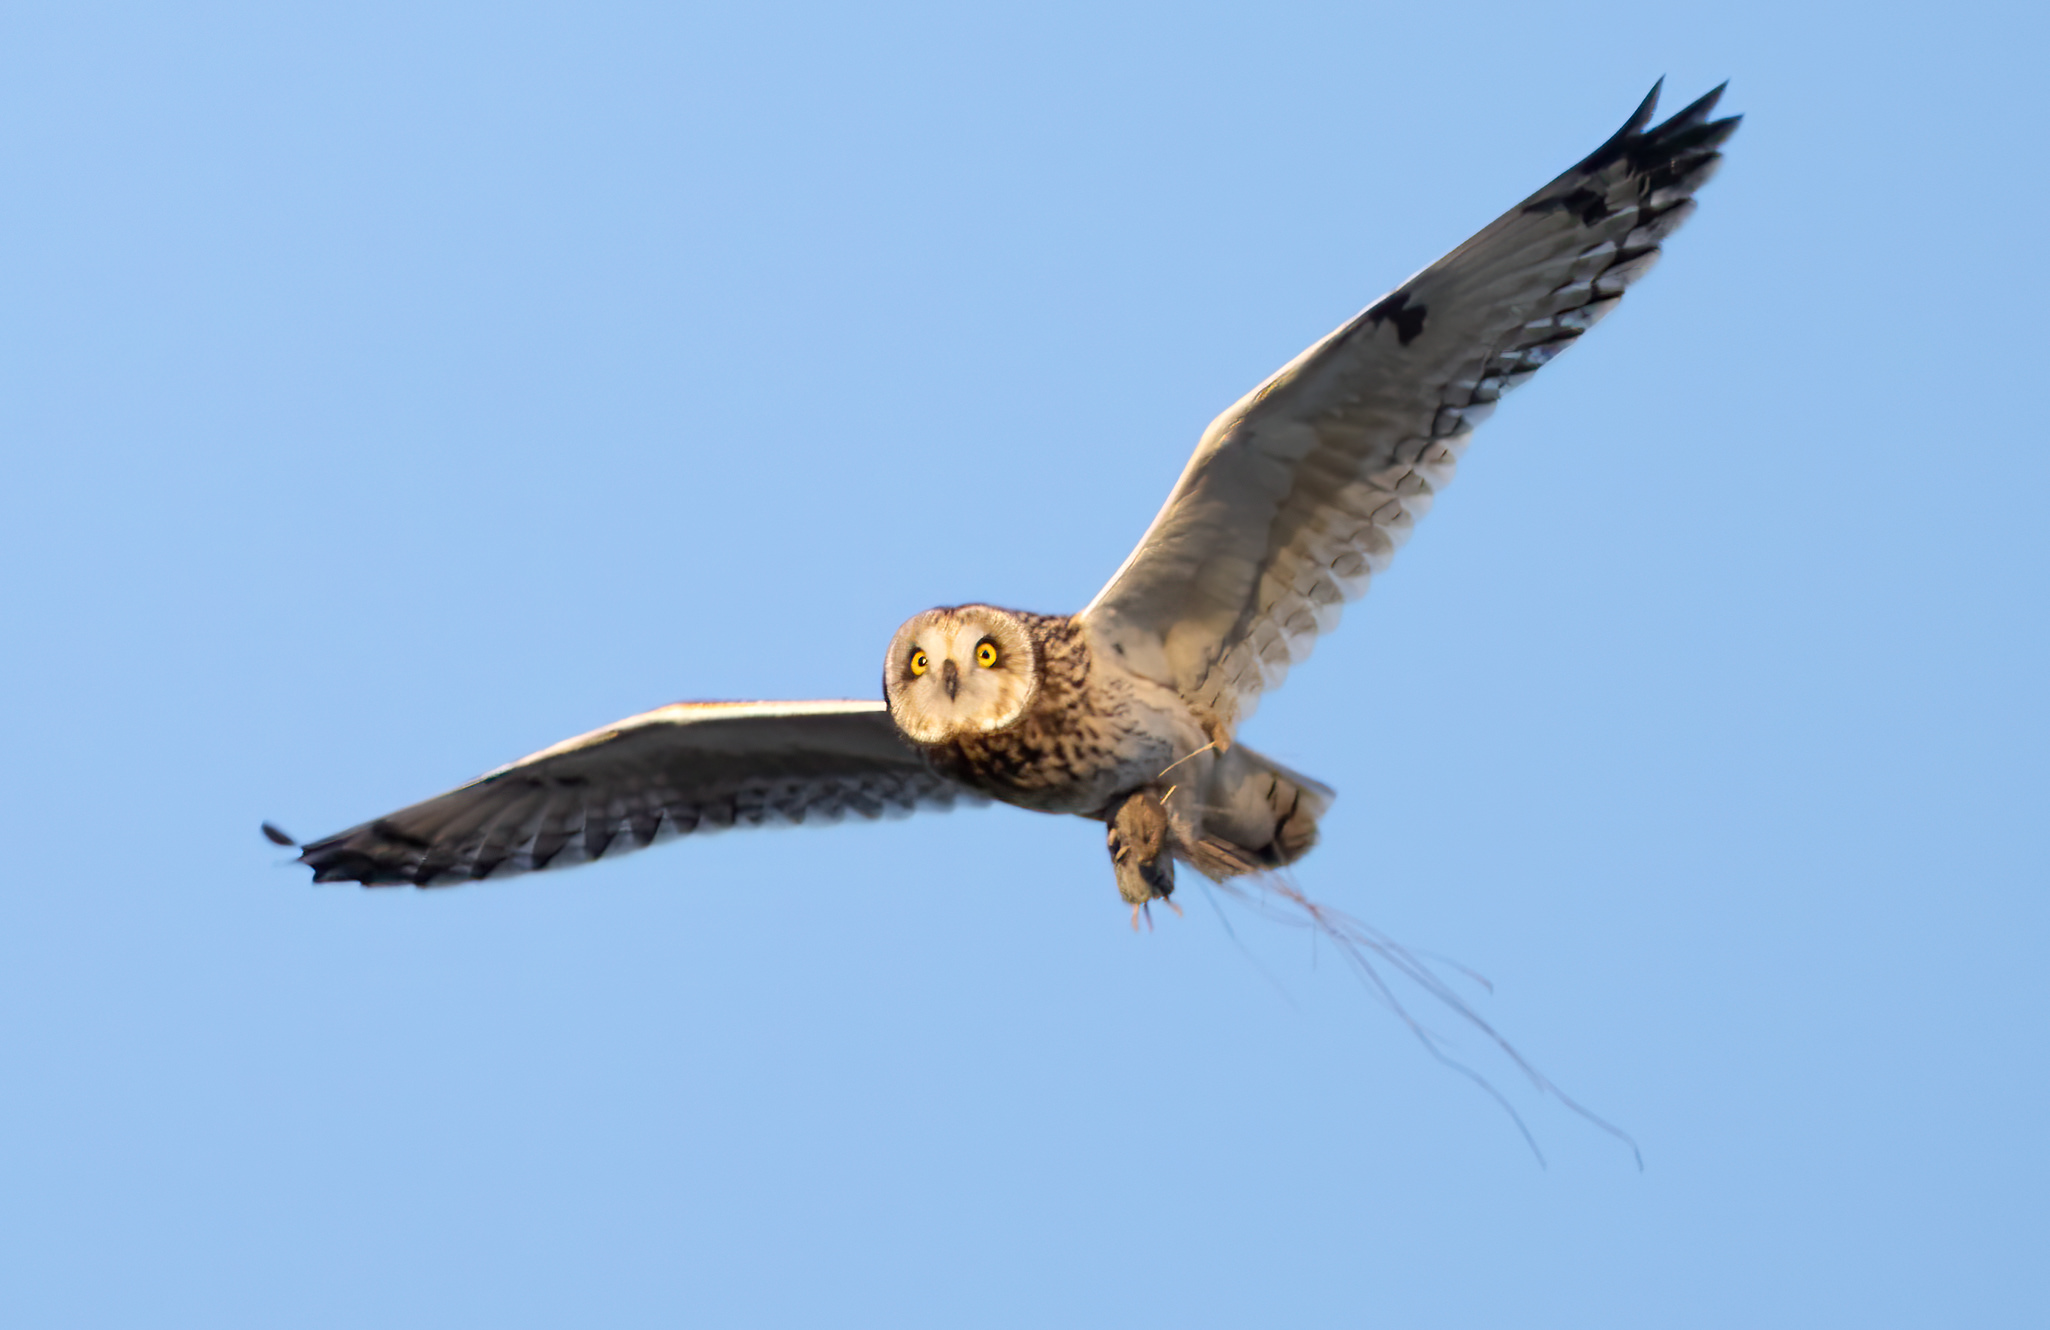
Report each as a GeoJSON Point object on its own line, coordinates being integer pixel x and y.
{"type": "Point", "coordinates": [1690, 129]}
{"type": "Point", "coordinates": [277, 837]}
{"type": "Point", "coordinates": [1642, 115]}
{"type": "Point", "coordinates": [1619, 141]}
{"type": "Point", "coordinates": [1696, 111]}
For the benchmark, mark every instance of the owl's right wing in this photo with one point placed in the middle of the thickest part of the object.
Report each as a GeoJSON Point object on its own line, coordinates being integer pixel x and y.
{"type": "Point", "coordinates": [1301, 491]}
{"type": "Point", "coordinates": [693, 766]}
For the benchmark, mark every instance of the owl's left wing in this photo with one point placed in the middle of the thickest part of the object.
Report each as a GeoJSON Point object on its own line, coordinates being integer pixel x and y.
{"type": "Point", "coordinates": [1305, 487]}
{"type": "Point", "coordinates": [694, 766]}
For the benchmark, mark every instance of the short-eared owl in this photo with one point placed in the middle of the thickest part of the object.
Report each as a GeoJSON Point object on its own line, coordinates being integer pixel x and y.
{"type": "Point", "coordinates": [1126, 712]}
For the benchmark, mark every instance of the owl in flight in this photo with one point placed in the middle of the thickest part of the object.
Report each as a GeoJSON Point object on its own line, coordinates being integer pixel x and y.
{"type": "Point", "coordinates": [1125, 713]}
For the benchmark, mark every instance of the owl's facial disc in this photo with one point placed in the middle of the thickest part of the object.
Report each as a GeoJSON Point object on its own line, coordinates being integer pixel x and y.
{"type": "Point", "coordinates": [962, 671]}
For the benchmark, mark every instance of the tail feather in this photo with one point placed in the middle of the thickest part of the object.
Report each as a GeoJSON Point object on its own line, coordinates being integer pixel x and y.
{"type": "Point", "coordinates": [1257, 814]}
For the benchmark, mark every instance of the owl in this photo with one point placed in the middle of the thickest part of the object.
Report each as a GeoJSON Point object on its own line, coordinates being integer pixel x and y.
{"type": "Point", "coordinates": [1128, 712]}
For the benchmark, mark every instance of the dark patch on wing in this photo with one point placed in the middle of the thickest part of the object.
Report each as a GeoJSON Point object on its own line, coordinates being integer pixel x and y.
{"type": "Point", "coordinates": [384, 827]}
{"type": "Point", "coordinates": [346, 865]}
{"type": "Point", "coordinates": [276, 837]}
{"type": "Point", "coordinates": [1583, 203]}
{"type": "Point", "coordinates": [1407, 318]}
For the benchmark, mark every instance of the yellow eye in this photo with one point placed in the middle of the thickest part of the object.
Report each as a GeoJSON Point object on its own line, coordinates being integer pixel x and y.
{"type": "Point", "coordinates": [918, 662]}
{"type": "Point", "coordinates": [986, 654]}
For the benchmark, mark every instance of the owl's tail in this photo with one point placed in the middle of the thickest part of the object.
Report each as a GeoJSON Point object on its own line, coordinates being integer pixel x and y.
{"type": "Point", "coordinates": [1257, 814]}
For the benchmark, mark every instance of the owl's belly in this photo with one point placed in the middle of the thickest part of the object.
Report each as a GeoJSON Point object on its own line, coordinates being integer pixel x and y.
{"type": "Point", "coordinates": [1074, 762]}
{"type": "Point", "coordinates": [1052, 773]}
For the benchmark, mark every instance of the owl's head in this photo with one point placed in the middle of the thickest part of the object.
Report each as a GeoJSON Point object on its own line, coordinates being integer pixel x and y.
{"type": "Point", "coordinates": [954, 672]}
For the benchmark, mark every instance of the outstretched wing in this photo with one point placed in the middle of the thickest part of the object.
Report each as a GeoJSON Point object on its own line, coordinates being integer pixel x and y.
{"type": "Point", "coordinates": [1304, 489]}
{"type": "Point", "coordinates": [694, 766]}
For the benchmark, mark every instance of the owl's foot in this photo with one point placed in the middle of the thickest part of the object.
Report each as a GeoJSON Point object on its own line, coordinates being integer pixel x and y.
{"type": "Point", "coordinates": [1139, 853]}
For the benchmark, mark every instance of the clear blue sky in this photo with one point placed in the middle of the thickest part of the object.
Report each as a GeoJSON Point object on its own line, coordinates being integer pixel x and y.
{"type": "Point", "coordinates": [388, 391]}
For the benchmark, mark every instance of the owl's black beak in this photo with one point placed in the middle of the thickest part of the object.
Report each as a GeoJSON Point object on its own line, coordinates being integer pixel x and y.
{"type": "Point", "coordinates": [950, 677]}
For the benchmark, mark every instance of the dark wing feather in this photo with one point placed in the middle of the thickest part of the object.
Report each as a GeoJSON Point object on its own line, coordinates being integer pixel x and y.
{"type": "Point", "coordinates": [1304, 489]}
{"type": "Point", "coordinates": [691, 767]}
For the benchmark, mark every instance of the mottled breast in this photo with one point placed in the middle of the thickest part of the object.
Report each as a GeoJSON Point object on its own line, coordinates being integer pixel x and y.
{"type": "Point", "coordinates": [1081, 742]}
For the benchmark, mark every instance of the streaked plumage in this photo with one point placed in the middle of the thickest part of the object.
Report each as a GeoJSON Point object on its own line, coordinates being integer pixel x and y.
{"type": "Point", "coordinates": [1126, 712]}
